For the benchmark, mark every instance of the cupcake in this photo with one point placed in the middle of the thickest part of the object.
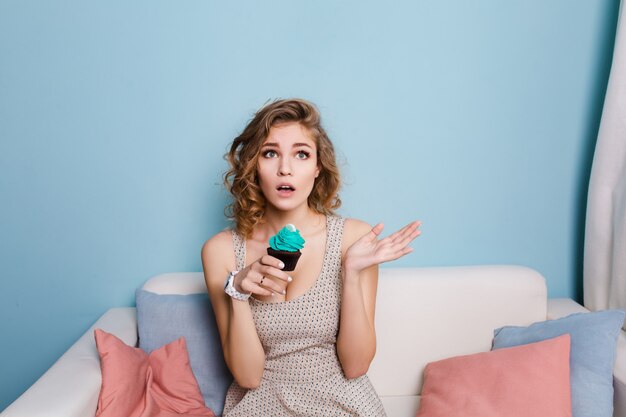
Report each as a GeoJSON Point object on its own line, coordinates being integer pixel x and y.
{"type": "Point", "coordinates": [286, 245]}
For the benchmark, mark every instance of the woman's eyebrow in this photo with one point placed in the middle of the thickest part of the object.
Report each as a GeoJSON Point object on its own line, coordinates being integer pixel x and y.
{"type": "Point", "coordinates": [295, 145]}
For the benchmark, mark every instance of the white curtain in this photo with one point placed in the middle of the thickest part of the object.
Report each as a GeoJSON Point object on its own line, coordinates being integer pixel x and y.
{"type": "Point", "coordinates": [605, 234]}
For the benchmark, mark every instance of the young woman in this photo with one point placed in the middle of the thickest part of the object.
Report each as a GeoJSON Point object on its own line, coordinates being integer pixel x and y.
{"type": "Point", "coordinates": [297, 343]}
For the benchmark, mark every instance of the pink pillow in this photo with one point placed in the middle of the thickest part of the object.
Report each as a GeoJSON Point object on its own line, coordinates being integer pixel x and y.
{"type": "Point", "coordinates": [524, 381]}
{"type": "Point", "coordinates": [135, 384]}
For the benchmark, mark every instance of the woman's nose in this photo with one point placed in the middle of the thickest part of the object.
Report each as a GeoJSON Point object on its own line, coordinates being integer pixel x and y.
{"type": "Point", "coordinates": [284, 168]}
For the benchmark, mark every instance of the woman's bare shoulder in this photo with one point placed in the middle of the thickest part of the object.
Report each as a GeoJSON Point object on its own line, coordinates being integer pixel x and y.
{"type": "Point", "coordinates": [218, 242]}
{"type": "Point", "coordinates": [353, 230]}
{"type": "Point", "coordinates": [218, 253]}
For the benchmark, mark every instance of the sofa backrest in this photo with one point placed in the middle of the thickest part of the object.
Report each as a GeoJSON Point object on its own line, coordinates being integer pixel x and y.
{"type": "Point", "coordinates": [183, 283]}
{"type": "Point", "coordinates": [426, 314]}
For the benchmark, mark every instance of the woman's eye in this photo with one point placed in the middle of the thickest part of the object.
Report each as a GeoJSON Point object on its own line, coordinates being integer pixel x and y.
{"type": "Point", "coordinates": [269, 154]}
{"type": "Point", "coordinates": [302, 155]}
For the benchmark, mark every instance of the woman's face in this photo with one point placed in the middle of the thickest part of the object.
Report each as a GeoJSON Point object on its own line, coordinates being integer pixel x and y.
{"type": "Point", "coordinates": [287, 166]}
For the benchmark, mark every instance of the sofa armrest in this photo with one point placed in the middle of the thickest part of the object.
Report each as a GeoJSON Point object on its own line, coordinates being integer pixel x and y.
{"type": "Point", "coordinates": [561, 307]}
{"type": "Point", "coordinates": [70, 388]}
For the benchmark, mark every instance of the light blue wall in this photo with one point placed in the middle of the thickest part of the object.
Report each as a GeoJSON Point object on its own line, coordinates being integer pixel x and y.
{"type": "Point", "coordinates": [477, 117]}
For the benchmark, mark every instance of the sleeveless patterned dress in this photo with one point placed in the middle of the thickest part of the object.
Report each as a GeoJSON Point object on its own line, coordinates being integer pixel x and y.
{"type": "Point", "coordinates": [303, 376]}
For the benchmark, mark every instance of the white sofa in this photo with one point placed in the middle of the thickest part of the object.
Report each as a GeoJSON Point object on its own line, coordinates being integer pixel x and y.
{"type": "Point", "coordinates": [423, 314]}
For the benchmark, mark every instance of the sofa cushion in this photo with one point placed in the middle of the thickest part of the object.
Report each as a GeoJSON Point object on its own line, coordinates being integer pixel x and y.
{"type": "Point", "coordinates": [162, 318]}
{"type": "Point", "coordinates": [522, 381]}
{"type": "Point", "coordinates": [135, 384]}
{"type": "Point", "coordinates": [594, 337]}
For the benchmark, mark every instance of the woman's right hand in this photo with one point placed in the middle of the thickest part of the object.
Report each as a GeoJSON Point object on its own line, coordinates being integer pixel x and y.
{"type": "Point", "coordinates": [261, 277]}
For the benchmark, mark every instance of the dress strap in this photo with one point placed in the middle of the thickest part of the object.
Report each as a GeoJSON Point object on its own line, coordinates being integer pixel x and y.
{"type": "Point", "coordinates": [239, 244]}
{"type": "Point", "coordinates": [335, 235]}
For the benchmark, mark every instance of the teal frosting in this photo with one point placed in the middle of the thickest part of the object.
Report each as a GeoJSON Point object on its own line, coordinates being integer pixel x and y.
{"type": "Point", "coordinates": [287, 239]}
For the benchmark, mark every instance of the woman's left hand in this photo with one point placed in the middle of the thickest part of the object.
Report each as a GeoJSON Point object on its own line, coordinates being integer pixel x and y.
{"type": "Point", "coordinates": [369, 250]}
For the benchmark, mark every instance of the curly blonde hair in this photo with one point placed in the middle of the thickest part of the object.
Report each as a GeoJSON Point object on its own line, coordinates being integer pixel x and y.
{"type": "Point", "coordinates": [248, 206]}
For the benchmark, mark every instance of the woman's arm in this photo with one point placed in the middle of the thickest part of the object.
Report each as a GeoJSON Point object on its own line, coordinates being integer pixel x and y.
{"type": "Point", "coordinates": [356, 341]}
{"type": "Point", "coordinates": [243, 352]}
{"type": "Point", "coordinates": [242, 348]}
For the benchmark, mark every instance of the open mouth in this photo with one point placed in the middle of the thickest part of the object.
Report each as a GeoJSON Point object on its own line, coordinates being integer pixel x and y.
{"type": "Point", "coordinates": [285, 189]}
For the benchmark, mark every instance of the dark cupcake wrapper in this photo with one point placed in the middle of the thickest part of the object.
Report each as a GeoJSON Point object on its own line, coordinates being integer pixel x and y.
{"type": "Point", "coordinates": [290, 259]}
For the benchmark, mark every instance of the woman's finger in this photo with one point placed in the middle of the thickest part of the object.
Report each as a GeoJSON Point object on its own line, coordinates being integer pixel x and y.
{"type": "Point", "coordinates": [408, 238]}
{"type": "Point", "coordinates": [407, 250]}
{"type": "Point", "coordinates": [271, 261]}
{"type": "Point", "coordinates": [276, 273]}
{"type": "Point", "coordinates": [252, 284]}
{"type": "Point", "coordinates": [409, 229]}
{"type": "Point", "coordinates": [397, 233]}
{"type": "Point", "coordinates": [376, 230]}
{"type": "Point", "coordinates": [406, 230]}
{"type": "Point", "coordinates": [257, 289]}
{"type": "Point", "coordinates": [268, 283]}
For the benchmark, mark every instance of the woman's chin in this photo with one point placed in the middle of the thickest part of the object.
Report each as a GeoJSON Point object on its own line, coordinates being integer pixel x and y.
{"type": "Point", "coordinates": [286, 204]}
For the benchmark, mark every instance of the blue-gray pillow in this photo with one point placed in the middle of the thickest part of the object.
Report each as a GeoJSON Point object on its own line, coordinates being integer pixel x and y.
{"type": "Point", "coordinates": [163, 318]}
{"type": "Point", "coordinates": [592, 357]}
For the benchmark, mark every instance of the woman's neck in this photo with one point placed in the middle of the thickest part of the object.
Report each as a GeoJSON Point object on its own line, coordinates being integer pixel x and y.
{"type": "Point", "coordinates": [306, 220]}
